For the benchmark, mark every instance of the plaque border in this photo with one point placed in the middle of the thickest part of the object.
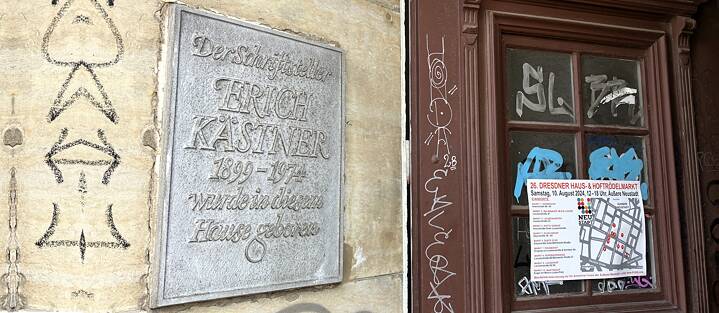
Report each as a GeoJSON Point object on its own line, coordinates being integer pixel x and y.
{"type": "Point", "coordinates": [167, 93]}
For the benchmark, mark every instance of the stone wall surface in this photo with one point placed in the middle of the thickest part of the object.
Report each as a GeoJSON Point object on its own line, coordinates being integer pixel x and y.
{"type": "Point", "coordinates": [78, 103]}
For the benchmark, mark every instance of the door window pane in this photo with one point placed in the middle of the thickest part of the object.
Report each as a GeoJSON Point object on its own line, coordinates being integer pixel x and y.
{"type": "Point", "coordinates": [539, 155]}
{"type": "Point", "coordinates": [523, 286]}
{"type": "Point", "coordinates": [611, 93]}
{"type": "Point", "coordinates": [617, 158]}
{"type": "Point", "coordinates": [539, 86]}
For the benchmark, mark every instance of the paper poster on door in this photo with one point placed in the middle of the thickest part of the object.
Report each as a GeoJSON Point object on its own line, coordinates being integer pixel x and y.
{"type": "Point", "coordinates": [586, 229]}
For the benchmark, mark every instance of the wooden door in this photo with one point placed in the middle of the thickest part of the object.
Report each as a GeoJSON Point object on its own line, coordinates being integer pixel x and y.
{"type": "Point", "coordinates": [461, 219]}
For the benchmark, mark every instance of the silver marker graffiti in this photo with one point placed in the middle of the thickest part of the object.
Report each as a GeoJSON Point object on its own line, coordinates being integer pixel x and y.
{"type": "Point", "coordinates": [439, 118]}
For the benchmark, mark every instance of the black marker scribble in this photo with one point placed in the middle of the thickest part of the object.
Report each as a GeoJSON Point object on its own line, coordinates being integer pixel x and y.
{"type": "Point", "coordinates": [52, 161]}
{"type": "Point", "coordinates": [103, 104]}
{"type": "Point", "coordinates": [121, 242]}
{"type": "Point", "coordinates": [82, 188]}
{"type": "Point", "coordinates": [82, 243]}
{"type": "Point", "coordinates": [95, 93]}
{"type": "Point", "coordinates": [89, 19]}
{"type": "Point", "coordinates": [82, 19]}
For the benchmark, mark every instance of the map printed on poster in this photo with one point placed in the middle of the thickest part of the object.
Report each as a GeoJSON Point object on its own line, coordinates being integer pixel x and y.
{"type": "Point", "coordinates": [586, 229]}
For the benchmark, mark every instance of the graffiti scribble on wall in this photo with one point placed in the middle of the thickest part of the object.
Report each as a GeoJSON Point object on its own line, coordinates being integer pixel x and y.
{"type": "Point", "coordinates": [624, 283]}
{"type": "Point", "coordinates": [83, 38]}
{"type": "Point", "coordinates": [439, 119]}
{"type": "Point", "coordinates": [708, 161]}
{"type": "Point", "coordinates": [81, 242]}
{"type": "Point", "coordinates": [67, 43]}
{"type": "Point", "coordinates": [440, 111]}
{"type": "Point", "coordinates": [54, 157]}
{"type": "Point", "coordinates": [535, 288]}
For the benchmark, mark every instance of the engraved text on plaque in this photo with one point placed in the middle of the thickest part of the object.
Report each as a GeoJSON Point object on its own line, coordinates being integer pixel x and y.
{"type": "Point", "coordinates": [252, 168]}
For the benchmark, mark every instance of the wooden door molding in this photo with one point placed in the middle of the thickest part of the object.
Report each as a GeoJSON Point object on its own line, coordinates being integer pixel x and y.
{"type": "Point", "coordinates": [476, 288]}
{"type": "Point", "coordinates": [653, 9]}
{"type": "Point", "coordinates": [689, 184]}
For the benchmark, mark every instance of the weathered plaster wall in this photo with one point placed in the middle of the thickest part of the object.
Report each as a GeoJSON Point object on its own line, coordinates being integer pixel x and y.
{"type": "Point", "coordinates": [81, 95]}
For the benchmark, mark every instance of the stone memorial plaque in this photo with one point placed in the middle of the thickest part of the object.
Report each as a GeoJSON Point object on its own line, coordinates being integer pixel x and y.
{"type": "Point", "coordinates": [252, 168]}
